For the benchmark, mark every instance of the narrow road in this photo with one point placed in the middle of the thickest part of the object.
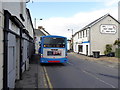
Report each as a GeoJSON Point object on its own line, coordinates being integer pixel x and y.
{"type": "Point", "coordinates": [78, 73]}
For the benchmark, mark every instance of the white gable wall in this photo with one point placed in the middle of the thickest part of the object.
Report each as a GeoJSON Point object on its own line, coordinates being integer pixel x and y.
{"type": "Point", "coordinates": [98, 40]}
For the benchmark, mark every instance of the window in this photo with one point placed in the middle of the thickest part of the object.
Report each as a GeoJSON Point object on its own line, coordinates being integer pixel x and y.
{"type": "Point", "coordinates": [54, 42]}
{"type": "Point", "coordinates": [80, 34]}
{"type": "Point", "coordinates": [83, 33]}
{"type": "Point", "coordinates": [86, 32]}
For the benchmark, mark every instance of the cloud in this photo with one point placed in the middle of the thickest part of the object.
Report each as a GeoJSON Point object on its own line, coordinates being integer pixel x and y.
{"type": "Point", "coordinates": [60, 25]}
{"type": "Point", "coordinates": [71, 0]}
{"type": "Point", "coordinates": [111, 2]}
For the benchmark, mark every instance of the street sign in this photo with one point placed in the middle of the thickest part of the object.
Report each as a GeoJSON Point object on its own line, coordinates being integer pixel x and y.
{"type": "Point", "coordinates": [108, 29]}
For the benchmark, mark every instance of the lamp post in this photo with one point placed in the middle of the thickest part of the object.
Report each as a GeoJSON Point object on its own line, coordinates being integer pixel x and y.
{"type": "Point", "coordinates": [71, 39]}
{"type": "Point", "coordinates": [35, 22]}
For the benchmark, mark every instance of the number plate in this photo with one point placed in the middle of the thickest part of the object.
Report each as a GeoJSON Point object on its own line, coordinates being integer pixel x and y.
{"type": "Point", "coordinates": [54, 53]}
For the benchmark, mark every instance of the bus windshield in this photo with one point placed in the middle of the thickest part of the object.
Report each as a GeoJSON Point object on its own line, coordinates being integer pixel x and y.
{"type": "Point", "coordinates": [54, 42]}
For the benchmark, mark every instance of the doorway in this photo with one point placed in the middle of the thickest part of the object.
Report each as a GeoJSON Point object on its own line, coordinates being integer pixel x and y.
{"type": "Point", "coordinates": [87, 50]}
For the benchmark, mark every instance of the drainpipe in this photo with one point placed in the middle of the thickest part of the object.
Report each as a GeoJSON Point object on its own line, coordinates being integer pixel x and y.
{"type": "Point", "coordinates": [21, 52]}
{"type": "Point", "coordinates": [5, 58]}
{"type": "Point", "coordinates": [90, 41]}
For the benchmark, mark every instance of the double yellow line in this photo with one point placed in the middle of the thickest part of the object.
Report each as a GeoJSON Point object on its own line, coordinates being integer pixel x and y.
{"type": "Point", "coordinates": [47, 78]}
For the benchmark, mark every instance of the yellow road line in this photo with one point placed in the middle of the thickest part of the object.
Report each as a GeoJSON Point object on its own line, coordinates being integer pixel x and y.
{"type": "Point", "coordinates": [48, 79]}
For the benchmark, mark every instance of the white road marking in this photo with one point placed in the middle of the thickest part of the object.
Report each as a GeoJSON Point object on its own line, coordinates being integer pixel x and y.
{"type": "Point", "coordinates": [70, 63]}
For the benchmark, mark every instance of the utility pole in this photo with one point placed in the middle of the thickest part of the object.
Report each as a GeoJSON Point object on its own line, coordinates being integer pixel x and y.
{"type": "Point", "coordinates": [35, 22]}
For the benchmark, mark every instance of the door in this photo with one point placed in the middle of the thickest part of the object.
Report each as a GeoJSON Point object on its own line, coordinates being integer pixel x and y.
{"type": "Point", "coordinates": [11, 60]}
{"type": "Point", "coordinates": [17, 58]}
{"type": "Point", "coordinates": [86, 49]}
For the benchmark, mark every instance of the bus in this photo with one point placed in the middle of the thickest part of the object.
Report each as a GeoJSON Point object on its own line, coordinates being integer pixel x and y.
{"type": "Point", "coordinates": [53, 49]}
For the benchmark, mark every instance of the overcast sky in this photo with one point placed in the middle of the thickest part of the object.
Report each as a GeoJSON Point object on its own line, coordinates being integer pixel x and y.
{"type": "Point", "coordinates": [58, 17]}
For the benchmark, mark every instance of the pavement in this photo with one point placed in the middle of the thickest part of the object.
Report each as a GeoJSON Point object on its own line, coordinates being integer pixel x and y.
{"type": "Point", "coordinates": [108, 61]}
{"type": "Point", "coordinates": [35, 77]}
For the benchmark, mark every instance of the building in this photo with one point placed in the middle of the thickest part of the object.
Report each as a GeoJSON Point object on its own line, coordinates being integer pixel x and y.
{"type": "Point", "coordinates": [96, 35]}
{"type": "Point", "coordinates": [38, 33]}
{"type": "Point", "coordinates": [68, 45]}
{"type": "Point", "coordinates": [16, 42]}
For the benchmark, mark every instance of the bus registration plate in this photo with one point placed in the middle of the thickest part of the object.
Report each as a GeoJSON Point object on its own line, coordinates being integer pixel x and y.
{"type": "Point", "coordinates": [54, 53]}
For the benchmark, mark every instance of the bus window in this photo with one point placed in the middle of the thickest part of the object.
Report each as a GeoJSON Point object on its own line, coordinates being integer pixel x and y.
{"type": "Point", "coordinates": [54, 42]}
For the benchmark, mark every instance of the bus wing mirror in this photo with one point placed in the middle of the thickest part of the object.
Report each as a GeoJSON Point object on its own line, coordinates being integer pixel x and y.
{"type": "Point", "coordinates": [39, 43]}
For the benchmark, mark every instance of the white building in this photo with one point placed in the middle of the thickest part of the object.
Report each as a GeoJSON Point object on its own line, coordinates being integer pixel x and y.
{"type": "Point", "coordinates": [96, 35]}
{"type": "Point", "coordinates": [38, 33]}
{"type": "Point", "coordinates": [16, 42]}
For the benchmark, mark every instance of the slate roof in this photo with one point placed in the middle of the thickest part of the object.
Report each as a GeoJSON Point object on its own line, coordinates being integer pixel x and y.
{"type": "Point", "coordinates": [40, 32]}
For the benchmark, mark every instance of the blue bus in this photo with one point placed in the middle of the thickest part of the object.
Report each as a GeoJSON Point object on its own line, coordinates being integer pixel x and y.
{"type": "Point", "coordinates": [53, 49]}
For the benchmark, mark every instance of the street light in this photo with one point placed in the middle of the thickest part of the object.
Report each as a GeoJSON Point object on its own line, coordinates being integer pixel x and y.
{"type": "Point", "coordinates": [35, 22]}
{"type": "Point", "coordinates": [71, 39]}
{"type": "Point", "coordinates": [71, 30]}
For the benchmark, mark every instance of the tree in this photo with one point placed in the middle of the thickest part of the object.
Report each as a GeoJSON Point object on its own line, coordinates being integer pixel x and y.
{"type": "Point", "coordinates": [117, 42]}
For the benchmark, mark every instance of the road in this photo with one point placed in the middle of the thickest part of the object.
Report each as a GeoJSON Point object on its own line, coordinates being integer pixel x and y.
{"type": "Point", "coordinates": [78, 73]}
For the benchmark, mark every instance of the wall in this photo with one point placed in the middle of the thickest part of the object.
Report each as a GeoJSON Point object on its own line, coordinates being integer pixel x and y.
{"type": "Point", "coordinates": [16, 8]}
{"type": "Point", "coordinates": [99, 40]}
{"type": "Point", "coordinates": [80, 40]}
{"type": "Point", "coordinates": [75, 41]}
{"type": "Point", "coordinates": [25, 53]}
{"type": "Point", "coordinates": [119, 18]}
{"type": "Point", "coordinates": [29, 27]}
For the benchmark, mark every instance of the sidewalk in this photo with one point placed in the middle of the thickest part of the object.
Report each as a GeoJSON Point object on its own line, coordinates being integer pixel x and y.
{"type": "Point", "coordinates": [34, 77]}
{"type": "Point", "coordinates": [109, 61]}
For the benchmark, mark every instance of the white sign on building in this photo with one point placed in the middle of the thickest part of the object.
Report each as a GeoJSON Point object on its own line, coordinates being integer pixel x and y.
{"type": "Point", "coordinates": [108, 29]}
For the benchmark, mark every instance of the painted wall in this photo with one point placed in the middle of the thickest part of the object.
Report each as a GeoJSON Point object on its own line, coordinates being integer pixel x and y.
{"type": "Point", "coordinates": [79, 39]}
{"type": "Point", "coordinates": [75, 41]}
{"type": "Point", "coordinates": [99, 40]}
{"type": "Point", "coordinates": [25, 53]}
{"type": "Point", "coordinates": [28, 25]}
{"type": "Point", "coordinates": [15, 8]}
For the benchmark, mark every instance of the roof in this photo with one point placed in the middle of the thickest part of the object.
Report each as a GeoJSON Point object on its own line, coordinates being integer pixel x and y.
{"type": "Point", "coordinates": [45, 32]}
{"type": "Point", "coordinates": [95, 22]}
{"type": "Point", "coordinates": [41, 32]}
{"type": "Point", "coordinates": [54, 36]}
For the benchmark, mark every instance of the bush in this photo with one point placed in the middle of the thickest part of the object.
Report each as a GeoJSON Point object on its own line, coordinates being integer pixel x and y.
{"type": "Point", "coordinates": [108, 49]}
{"type": "Point", "coordinates": [117, 53]}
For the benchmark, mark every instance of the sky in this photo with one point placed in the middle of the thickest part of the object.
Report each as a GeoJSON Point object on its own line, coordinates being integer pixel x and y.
{"type": "Point", "coordinates": [59, 16]}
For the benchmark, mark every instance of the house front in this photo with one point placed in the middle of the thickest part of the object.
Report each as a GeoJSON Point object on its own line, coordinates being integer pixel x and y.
{"type": "Point", "coordinates": [16, 42]}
